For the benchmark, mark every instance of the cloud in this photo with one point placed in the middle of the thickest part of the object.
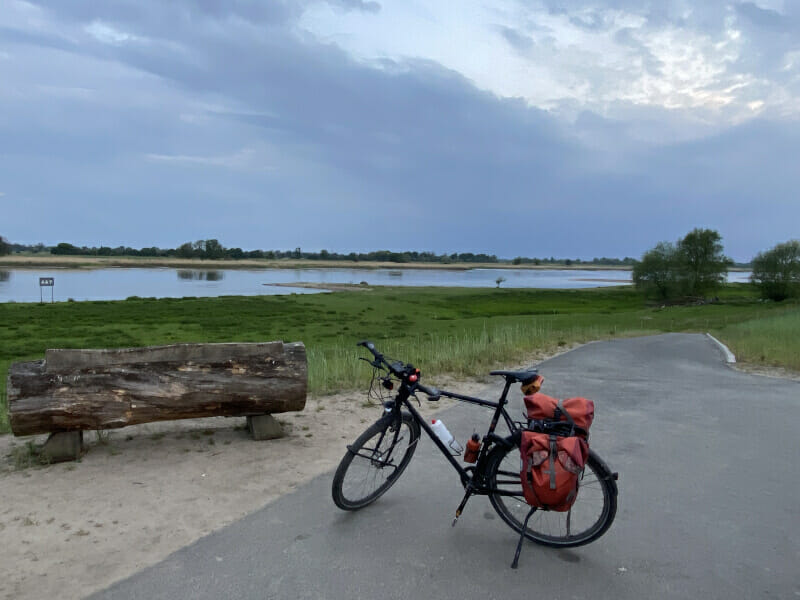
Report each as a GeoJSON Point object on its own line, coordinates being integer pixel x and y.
{"type": "Point", "coordinates": [517, 40]}
{"type": "Point", "coordinates": [109, 35]}
{"type": "Point", "coordinates": [765, 18]}
{"type": "Point", "coordinates": [370, 7]}
{"type": "Point", "coordinates": [245, 159]}
{"type": "Point", "coordinates": [231, 121]}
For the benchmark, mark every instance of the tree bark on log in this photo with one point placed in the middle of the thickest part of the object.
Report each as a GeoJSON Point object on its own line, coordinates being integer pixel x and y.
{"type": "Point", "coordinates": [73, 390]}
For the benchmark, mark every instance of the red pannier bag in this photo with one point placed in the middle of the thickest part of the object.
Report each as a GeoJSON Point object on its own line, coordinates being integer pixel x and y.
{"type": "Point", "coordinates": [542, 407]}
{"type": "Point", "coordinates": [551, 469]}
{"type": "Point", "coordinates": [552, 462]}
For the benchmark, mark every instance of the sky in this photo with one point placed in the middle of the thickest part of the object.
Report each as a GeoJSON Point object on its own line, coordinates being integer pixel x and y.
{"type": "Point", "coordinates": [512, 127]}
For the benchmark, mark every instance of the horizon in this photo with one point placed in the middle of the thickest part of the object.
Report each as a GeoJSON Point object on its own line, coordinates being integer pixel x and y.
{"type": "Point", "coordinates": [343, 255]}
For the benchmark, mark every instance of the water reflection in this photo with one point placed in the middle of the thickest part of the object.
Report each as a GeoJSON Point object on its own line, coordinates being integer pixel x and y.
{"type": "Point", "coordinates": [198, 275]}
{"type": "Point", "coordinates": [5, 276]}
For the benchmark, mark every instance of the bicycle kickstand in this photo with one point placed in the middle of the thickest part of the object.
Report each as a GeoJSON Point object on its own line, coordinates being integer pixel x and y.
{"type": "Point", "coordinates": [460, 508]}
{"type": "Point", "coordinates": [521, 538]}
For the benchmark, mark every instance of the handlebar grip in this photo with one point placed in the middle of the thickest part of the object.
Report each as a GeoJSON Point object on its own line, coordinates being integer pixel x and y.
{"type": "Point", "coordinates": [369, 346]}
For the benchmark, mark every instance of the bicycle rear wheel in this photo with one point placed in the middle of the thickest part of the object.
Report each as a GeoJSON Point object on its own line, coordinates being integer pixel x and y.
{"type": "Point", "coordinates": [374, 462]}
{"type": "Point", "coordinates": [588, 519]}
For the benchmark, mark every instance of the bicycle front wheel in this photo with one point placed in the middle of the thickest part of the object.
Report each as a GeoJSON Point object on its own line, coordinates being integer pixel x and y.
{"type": "Point", "coordinates": [588, 519]}
{"type": "Point", "coordinates": [375, 461]}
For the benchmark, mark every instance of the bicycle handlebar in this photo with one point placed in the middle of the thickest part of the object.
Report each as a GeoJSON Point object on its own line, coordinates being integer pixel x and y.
{"type": "Point", "coordinates": [403, 372]}
{"type": "Point", "coordinates": [433, 393]}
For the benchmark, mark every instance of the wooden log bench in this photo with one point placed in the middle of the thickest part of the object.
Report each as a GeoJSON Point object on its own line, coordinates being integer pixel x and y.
{"type": "Point", "coordinates": [72, 391]}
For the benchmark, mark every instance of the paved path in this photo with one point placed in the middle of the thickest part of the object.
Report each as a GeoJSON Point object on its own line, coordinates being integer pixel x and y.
{"type": "Point", "coordinates": [708, 506]}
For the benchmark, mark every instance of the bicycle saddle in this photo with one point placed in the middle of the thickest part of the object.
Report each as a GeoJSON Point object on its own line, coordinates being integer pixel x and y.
{"type": "Point", "coordinates": [523, 377]}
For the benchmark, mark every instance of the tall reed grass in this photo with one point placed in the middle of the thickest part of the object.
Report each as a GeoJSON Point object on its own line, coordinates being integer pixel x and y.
{"type": "Point", "coordinates": [468, 353]}
{"type": "Point", "coordinates": [773, 340]}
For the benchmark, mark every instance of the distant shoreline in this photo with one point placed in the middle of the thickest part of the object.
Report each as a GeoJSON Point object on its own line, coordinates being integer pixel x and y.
{"type": "Point", "coordinates": [101, 262]}
{"type": "Point", "coordinates": [329, 287]}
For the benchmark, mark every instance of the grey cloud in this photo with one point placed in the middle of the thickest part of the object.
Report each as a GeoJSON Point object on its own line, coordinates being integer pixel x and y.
{"type": "Point", "coordinates": [158, 16]}
{"type": "Point", "coordinates": [708, 16]}
{"type": "Point", "coordinates": [521, 42]}
{"type": "Point", "coordinates": [628, 37]}
{"type": "Point", "coordinates": [593, 20]}
{"type": "Point", "coordinates": [9, 35]}
{"type": "Point", "coordinates": [367, 6]}
{"type": "Point", "coordinates": [408, 144]}
{"type": "Point", "coordinates": [766, 18]}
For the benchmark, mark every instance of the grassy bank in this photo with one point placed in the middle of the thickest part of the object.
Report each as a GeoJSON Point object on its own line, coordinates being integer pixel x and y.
{"type": "Point", "coordinates": [772, 340]}
{"type": "Point", "coordinates": [458, 331]}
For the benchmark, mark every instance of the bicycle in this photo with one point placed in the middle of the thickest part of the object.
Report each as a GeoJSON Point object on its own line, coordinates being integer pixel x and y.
{"type": "Point", "coordinates": [380, 454]}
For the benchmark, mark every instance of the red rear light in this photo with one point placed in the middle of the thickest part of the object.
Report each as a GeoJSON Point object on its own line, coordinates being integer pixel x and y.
{"type": "Point", "coordinates": [413, 378]}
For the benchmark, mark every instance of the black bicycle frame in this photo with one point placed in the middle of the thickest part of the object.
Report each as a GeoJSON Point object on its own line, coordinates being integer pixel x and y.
{"type": "Point", "coordinates": [468, 475]}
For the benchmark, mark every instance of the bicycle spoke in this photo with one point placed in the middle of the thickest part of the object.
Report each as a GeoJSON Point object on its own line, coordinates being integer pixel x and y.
{"type": "Point", "coordinates": [374, 462]}
{"type": "Point", "coordinates": [588, 517]}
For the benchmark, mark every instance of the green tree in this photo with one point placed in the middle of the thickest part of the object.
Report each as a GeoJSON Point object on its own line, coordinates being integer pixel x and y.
{"type": "Point", "coordinates": [657, 272]}
{"type": "Point", "coordinates": [5, 247]}
{"type": "Point", "coordinates": [703, 266]}
{"type": "Point", "coordinates": [776, 272]}
{"type": "Point", "coordinates": [65, 249]}
{"type": "Point", "coordinates": [185, 250]}
{"type": "Point", "coordinates": [213, 249]}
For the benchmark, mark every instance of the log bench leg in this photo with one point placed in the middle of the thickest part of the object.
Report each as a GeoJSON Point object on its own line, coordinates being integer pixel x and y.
{"type": "Point", "coordinates": [264, 427]}
{"type": "Point", "coordinates": [63, 446]}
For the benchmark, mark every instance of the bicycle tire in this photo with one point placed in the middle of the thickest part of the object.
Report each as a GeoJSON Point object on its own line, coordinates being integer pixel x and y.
{"type": "Point", "coordinates": [590, 514]}
{"type": "Point", "coordinates": [375, 450]}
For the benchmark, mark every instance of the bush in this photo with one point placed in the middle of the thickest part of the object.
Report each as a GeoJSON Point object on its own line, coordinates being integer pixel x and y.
{"type": "Point", "coordinates": [776, 272]}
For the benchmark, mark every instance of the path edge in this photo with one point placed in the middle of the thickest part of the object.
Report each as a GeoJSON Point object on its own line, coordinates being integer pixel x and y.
{"type": "Point", "coordinates": [729, 356]}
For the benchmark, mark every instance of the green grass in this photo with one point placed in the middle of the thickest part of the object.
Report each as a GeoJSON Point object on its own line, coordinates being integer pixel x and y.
{"type": "Point", "coordinates": [773, 340]}
{"type": "Point", "coordinates": [442, 330]}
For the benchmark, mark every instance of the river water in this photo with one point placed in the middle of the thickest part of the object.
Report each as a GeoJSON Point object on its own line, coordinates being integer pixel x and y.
{"type": "Point", "coordinates": [22, 285]}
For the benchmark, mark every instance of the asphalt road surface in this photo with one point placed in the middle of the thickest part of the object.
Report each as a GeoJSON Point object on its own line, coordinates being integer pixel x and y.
{"type": "Point", "coordinates": [709, 503]}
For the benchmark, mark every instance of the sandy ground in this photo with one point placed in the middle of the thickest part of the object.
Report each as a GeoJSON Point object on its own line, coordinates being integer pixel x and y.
{"type": "Point", "coordinates": [143, 492]}
{"type": "Point", "coordinates": [778, 372]}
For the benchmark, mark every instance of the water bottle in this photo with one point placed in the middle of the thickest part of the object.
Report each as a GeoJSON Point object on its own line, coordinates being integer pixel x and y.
{"type": "Point", "coordinates": [447, 438]}
{"type": "Point", "coordinates": [473, 447]}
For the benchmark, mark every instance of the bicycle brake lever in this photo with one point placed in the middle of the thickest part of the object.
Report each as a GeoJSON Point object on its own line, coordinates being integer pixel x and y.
{"type": "Point", "coordinates": [375, 363]}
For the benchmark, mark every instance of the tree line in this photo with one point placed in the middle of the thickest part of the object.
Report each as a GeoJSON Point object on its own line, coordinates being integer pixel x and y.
{"type": "Point", "coordinates": [212, 249]}
{"type": "Point", "coordinates": [695, 266]}
{"type": "Point", "coordinates": [604, 261]}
